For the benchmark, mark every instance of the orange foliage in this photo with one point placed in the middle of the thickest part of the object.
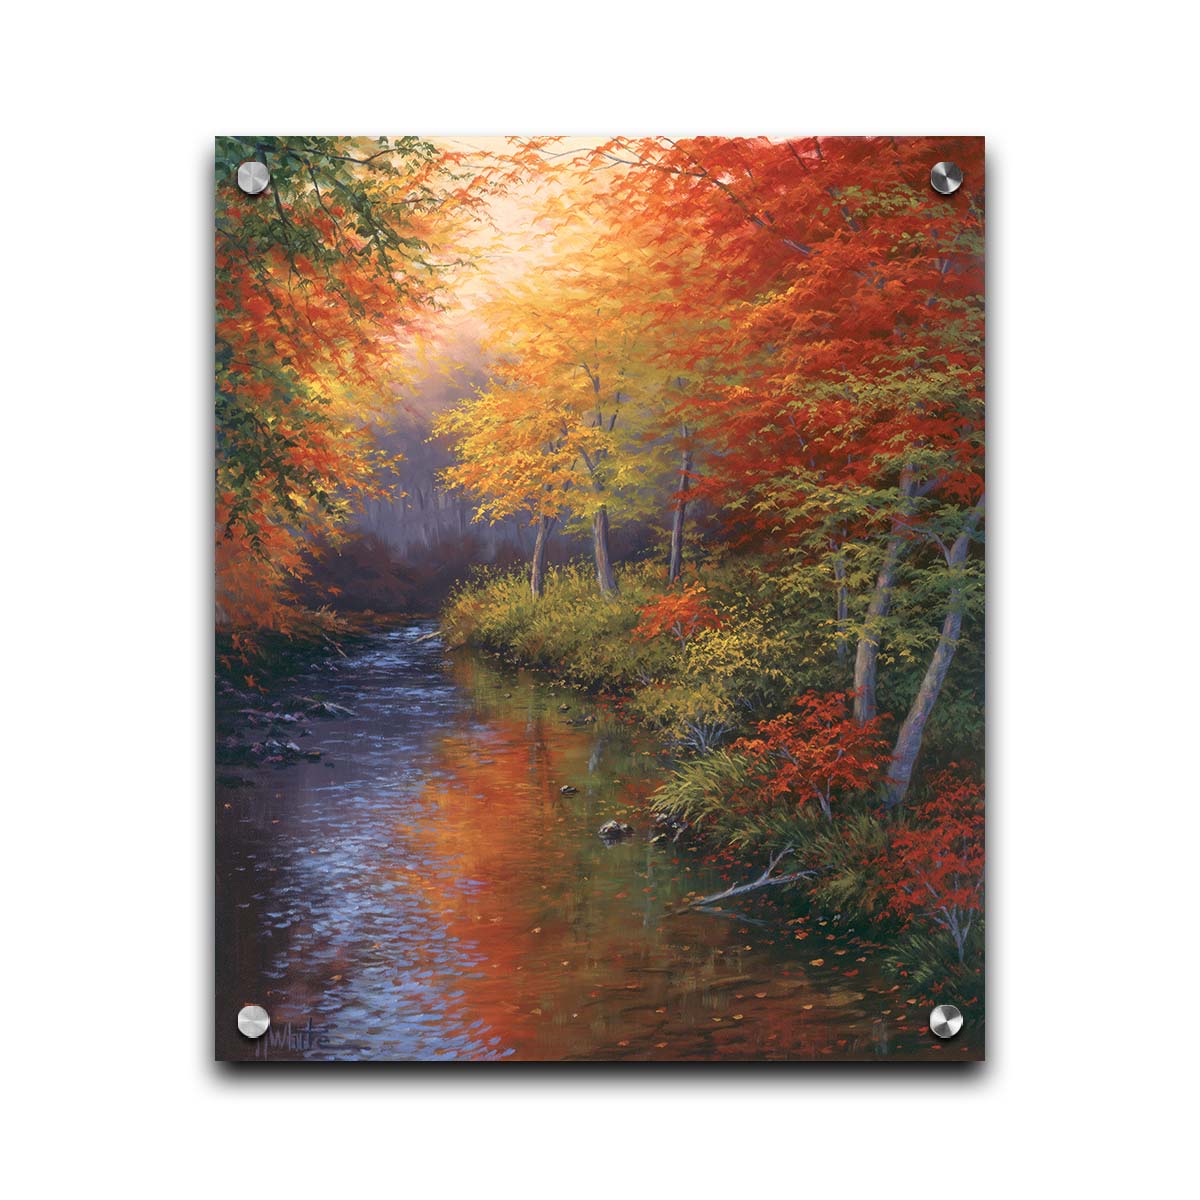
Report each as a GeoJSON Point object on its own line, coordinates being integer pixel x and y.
{"type": "Point", "coordinates": [817, 752]}
{"type": "Point", "coordinates": [680, 613]}
{"type": "Point", "coordinates": [314, 280]}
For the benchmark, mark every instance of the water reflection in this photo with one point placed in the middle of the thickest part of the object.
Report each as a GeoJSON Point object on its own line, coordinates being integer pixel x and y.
{"type": "Point", "coordinates": [434, 895]}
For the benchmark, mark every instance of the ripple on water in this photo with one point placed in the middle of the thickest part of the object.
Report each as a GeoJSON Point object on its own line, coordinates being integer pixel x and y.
{"type": "Point", "coordinates": [434, 896]}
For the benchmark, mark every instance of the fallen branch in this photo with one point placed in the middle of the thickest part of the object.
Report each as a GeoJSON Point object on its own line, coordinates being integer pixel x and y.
{"type": "Point", "coordinates": [766, 879]}
{"type": "Point", "coordinates": [334, 645]}
{"type": "Point", "coordinates": [751, 887]}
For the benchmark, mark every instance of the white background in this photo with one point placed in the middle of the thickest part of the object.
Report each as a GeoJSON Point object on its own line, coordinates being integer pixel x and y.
{"type": "Point", "coordinates": [1092, 232]}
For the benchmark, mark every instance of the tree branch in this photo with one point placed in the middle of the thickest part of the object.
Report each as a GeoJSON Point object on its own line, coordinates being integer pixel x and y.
{"type": "Point", "coordinates": [766, 879]}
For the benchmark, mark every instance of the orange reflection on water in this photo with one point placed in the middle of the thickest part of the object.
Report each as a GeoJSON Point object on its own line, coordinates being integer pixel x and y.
{"type": "Point", "coordinates": [578, 952]}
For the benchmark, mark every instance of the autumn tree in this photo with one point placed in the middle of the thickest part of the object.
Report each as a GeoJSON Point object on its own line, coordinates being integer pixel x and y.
{"type": "Point", "coordinates": [569, 357]}
{"type": "Point", "coordinates": [516, 453]}
{"type": "Point", "coordinates": [315, 277]}
{"type": "Point", "coordinates": [851, 436]}
{"type": "Point", "coordinates": [960, 581]}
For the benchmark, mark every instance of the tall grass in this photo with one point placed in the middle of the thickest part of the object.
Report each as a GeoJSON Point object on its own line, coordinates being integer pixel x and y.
{"type": "Point", "coordinates": [571, 630]}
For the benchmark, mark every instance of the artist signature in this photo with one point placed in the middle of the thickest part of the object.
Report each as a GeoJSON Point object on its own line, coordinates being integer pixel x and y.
{"type": "Point", "coordinates": [300, 1039]}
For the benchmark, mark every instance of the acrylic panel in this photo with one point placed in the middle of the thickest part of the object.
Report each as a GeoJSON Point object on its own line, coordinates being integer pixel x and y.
{"type": "Point", "coordinates": [599, 598]}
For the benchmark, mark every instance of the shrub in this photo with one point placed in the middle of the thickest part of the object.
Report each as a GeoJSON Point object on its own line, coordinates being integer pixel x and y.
{"type": "Point", "coordinates": [572, 630]}
{"type": "Point", "coordinates": [933, 865]}
{"type": "Point", "coordinates": [677, 613]}
{"type": "Point", "coordinates": [817, 752]}
{"type": "Point", "coordinates": [846, 854]}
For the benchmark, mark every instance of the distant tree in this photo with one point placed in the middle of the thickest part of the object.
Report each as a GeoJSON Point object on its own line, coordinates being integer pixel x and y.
{"type": "Point", "coordinates": [515, 454]}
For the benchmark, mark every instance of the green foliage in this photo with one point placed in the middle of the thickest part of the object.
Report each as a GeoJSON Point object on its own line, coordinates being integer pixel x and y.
{"type": "Point", "coordinates": [845, 855]}
{"type": "Point", "coordinates": [929, 965]}
{"type": "Point", "coordinates": [573, 630]}
{"type": "Point", "coordinates": [704, 692]}
{"type": "Point", "coordinates": [776, 639]}
{"type": "Point", "coordinates": [376, 182]}
{"type": "Point", "coordinates": [715, 684]}
{"type": "Point", "coordinates": [955, 730]}
{"type": "Point", "coordinates": [699, 694]}
{"type": "Point", "coordinates": [699, 792]}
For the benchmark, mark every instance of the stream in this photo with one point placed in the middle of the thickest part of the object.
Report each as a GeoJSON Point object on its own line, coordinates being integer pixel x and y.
{"type": "Point", "coordinates": [423, 889]}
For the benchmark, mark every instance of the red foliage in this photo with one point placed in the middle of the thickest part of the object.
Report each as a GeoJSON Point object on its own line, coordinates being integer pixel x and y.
{"type": "Point", "coordinates": [836, 254]}
{"type": "Point", "coordinates": [816, 752]}
{"type": "Point", "coordinates": [933, 870]}
{"type": "Point", "coordinates": [679, 613]}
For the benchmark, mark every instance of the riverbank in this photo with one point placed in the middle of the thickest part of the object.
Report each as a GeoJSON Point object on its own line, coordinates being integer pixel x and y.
{"type": "Point", "coordinates": [739, 685]}
{"type": "Point", "coordinates": [435, 894]}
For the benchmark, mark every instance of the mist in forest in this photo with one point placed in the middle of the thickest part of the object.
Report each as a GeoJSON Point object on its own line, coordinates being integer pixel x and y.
{"type": "Point", "coordinates": [404, 552]}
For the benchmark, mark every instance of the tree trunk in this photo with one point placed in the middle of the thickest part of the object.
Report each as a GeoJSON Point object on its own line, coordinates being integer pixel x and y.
{"type": "Point", "coordinates": [843, 604]}
{"type": "Point", "coordinates": [604, 567]}
{"type": "Point", "coordinates": [537, 570]}
{"type": "Point", "coordinates": [908, 741]}
{"type": "Point", "coordinates": [676, 561]}
{"type": "Point", "coordinates": [867, 657]}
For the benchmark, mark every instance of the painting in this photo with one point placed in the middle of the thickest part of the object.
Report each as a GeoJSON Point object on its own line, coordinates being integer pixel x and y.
{"type": "Point", "coordinates": [599, 530]}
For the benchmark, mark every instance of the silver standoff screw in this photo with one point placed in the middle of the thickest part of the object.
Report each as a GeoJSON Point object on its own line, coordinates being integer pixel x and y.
{"type": "Point", "coordinates": [253, 177]}
{"type": "Point", "coordinates": [253, 1020]}
{"type": "Point", "coordinates": [945, 1021]}
{"type": "Point", "coordinates": [946, 177]}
